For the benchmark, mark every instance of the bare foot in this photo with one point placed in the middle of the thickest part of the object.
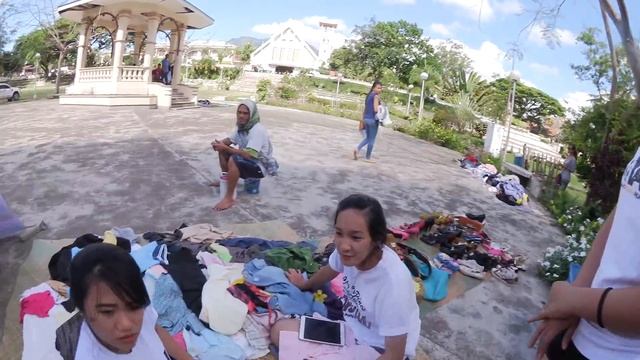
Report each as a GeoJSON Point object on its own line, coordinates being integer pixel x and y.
{"type": "Point", "coordinates": [215, 183]}
{"type": "Point", "coordinates": [224, 204]}
{"type": "Point", "coordinates": [355, 154]}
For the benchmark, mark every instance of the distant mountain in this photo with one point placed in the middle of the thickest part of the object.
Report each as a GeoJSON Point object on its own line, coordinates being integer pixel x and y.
{"type": "Point", "coordinates": [240, 41]}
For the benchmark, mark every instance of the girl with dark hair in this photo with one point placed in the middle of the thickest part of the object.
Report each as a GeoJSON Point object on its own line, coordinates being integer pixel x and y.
{"type": "Point", "coordinates": [369, 122]}
{"type": "Point", "coordinates": [379, 302]}
{"type": "Point", "coordinates": [119, 322]}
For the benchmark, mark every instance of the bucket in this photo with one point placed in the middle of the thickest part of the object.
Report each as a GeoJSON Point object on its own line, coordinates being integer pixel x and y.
{"type": "Point", "coordinates": [252, 185]}
{"type": "Point", "coordinates": [519, 160]}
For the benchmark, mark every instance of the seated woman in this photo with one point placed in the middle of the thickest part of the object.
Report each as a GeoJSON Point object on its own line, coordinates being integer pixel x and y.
{"type": "Point", "coordinates": [253, 156]}
{"type": "Point", "coordinates": [379, 294]}
{"type": "Point", "coordinates": [119, 321]}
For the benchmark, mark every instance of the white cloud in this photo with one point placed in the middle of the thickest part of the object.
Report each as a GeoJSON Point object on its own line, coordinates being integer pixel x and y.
{"type": "Point", "coordinates": [442, 29]}
{"type": "Point", "coordinates": [509, 7]}
{"type": "Point", "coordinates": [563, 36]}
{"type": "Point", "coordinates": [474, 9]}
{"type": "Point", "coordinates": [544, 69]}
{"type": "Point", "coordinates": [399, 2]}
{"type": "Point", "coordinates": [308, 29]}
{"type": "Point", "coordinates": [576, 100]}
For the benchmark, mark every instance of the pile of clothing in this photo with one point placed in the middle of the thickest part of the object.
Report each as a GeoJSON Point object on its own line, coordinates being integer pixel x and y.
{"type": "Point", "coordinates": [464, 246]}
{"type": "Point", "coordinates": [506, 187]}
{"type": "Point", "coordinates": [216, 294]}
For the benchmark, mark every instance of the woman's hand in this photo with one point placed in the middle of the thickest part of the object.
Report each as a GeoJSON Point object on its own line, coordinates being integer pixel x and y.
{"type": "Point", "coordinates": [548, 330]}
{"type": "Point", "coordinates": [296, 278]}
{"type": "Point", "coordinates": [561, 303]}
{"type": "Point", "coordinates": [361, 125]}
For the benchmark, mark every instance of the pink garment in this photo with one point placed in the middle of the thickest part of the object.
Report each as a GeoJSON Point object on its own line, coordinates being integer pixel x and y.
{"type": "Point", "coordinates": [179, 339]}
{"type": "Point", "coordinates": [207, 259]}
{"type": "Point", "coordinates": [292, 348]}
{"type": "Point", "coordinates": [156, 271]}
{"type": "Point", "coordinates": [337, 287]}
{"type": "Point", "coordinates": [37, 304]}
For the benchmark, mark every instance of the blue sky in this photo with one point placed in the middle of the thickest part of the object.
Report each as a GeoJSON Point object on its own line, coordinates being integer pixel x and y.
{"type": "Point", "coordinates": [485, 27]}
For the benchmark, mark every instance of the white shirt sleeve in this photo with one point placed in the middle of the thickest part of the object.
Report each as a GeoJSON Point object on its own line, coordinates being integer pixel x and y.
{"type": "Point", "coordinates": [335, 263]}
{"type": "Point", "coordinates": [392, 296]}
{"type": "Point", "coordinates": [233, 136]}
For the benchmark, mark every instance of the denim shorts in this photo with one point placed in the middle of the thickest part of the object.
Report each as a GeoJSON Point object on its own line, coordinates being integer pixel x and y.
{"type": "Point", "coordinates": [248, 168]}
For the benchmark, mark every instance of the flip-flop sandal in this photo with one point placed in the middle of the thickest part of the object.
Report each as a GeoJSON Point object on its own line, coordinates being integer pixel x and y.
{"type": "Point", "coordinates": [414, 228]}
{"type": "Point", "coordinates": [399, 233]}
{"type": "Point", "coordinates": [505, 274]}
{"type": "Point", "coordinates": [445, 262]}
{"type": "Point", "coordinates": [472, 269]}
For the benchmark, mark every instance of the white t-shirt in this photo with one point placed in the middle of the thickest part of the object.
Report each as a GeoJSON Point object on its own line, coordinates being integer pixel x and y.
{"type": "Point", "coordinates": [380, 302]}
{"type": "Point", "coordinates": [148, 347]}
{"type": "Point", "coordinates": [257, 139]}
{"type": "Point", "coordinates": [619, 268]}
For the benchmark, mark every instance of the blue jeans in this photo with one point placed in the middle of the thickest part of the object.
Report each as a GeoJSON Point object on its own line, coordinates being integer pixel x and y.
{"type": "Point", "coordinates": [371, 130]}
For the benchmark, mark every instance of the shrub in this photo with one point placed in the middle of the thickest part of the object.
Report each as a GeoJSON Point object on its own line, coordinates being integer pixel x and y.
{"type": "Point", "coordinates": [262, 89]}
{"type": "Point", "coordinates": [287, 92]}
{"type": "Point", "coordinates": [581, 231]}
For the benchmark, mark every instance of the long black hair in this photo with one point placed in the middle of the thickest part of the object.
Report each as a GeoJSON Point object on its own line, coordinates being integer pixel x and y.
{"type": "Point", "coordinates": [373, 212]}
{"type": "Point", "coordinates": [112, 266]}
{"type": "Point", "coordinates": [375, 83]}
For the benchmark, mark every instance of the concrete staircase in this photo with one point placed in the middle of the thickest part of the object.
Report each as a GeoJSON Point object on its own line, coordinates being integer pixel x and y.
{"type": "Point", "coordinates": [180, 101]}
{"type": "Point", "coordinates": [248, 81]}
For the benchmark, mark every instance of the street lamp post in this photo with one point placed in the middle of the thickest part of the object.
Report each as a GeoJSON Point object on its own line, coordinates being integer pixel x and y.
{"type": "Point", "coordinates": [35, 96]}
{"type": "Point", "coordinates": [423, 76]}
{"type": "Point", "coordinates": [335, 102]}
{"type": "Point", "coordinates": [512, 99]}
{"type": "Point", "coordinates": [409, 101]}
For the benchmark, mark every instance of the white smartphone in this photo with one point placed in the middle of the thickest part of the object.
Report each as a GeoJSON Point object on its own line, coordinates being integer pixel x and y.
{"type": "Point", "coordinates": [322, 331]}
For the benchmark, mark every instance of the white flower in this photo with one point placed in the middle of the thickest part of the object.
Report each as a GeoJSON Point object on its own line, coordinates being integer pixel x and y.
{"type": "Point", "coordinates": [582, 253]}
{"type": "Point", "coordinates": [591, 125]}
{"type": "Point", "coordinates": [555, 266]}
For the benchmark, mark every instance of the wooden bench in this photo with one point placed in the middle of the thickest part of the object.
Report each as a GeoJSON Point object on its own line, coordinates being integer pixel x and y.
{"type": "Point", "coordinates": [524, 174]}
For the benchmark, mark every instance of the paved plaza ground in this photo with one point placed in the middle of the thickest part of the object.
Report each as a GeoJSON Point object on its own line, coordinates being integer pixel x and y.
{"type": "Point", "coordinates": [87, 169]}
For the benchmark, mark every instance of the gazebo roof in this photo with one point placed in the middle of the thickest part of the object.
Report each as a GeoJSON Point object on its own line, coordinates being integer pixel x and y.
{"type": "Point", "coordinates": [180, 10]}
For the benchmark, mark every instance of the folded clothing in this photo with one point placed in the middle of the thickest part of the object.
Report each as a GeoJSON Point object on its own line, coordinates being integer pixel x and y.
{"type": "Point", "coordinates": [222, 311]}
{"type": "Point", "coordinates": [292, 258]}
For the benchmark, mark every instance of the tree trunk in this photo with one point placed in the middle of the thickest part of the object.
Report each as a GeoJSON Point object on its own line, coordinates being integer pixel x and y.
{"type": "Point", "coordinates": [63, 53]}
{"type": "Point", "coordinates": [613, 93]}
{"type": "Point", "coordinates": [631, 47]}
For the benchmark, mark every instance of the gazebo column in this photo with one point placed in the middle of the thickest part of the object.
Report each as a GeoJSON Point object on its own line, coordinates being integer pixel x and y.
{"type": "Point", "coordinates": [137, 45]}
{"type": "Point", "coordinates": [153, 20]}
{"type": "Point", "coordinates": [119, 44]}
{"type": "Point", "coordinates": [83, 39]}
{"type": "Point", "coordinates": [177, 65]}
{"type": "Point", "coordinates": [173, 37]}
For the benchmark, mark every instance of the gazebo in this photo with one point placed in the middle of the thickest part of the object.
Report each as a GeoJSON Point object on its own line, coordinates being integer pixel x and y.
{"type": "Point", "coordinates": [133, 27]}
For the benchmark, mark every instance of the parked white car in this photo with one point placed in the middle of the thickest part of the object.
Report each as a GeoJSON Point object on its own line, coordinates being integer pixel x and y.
{"type": "Point", "coordinates": [9, 93]}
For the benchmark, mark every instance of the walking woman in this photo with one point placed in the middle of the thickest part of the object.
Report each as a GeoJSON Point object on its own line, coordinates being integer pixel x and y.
{"type": "Point", "coordinates": [369, 122]}
{"type": "Point", "coordinates": [568, 167]}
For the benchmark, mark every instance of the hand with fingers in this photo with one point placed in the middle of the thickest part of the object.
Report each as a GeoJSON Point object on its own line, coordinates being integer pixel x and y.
{"type": "Point", "coordinates": [296, 278]}
{"type": "Point", "coordinates": [548, 330]}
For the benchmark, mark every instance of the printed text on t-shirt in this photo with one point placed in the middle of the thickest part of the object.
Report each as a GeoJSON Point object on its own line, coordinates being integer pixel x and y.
{"type": "Point", "coordinates": [352, 304]}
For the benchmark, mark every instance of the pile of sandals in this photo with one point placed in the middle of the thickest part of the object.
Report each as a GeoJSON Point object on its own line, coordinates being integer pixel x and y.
{"type": "Point", "coordinates": [464, 247]}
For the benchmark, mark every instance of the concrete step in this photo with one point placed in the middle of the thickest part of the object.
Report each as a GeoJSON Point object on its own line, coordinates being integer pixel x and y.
{"type": "Point", "coordinates": [179, 99]}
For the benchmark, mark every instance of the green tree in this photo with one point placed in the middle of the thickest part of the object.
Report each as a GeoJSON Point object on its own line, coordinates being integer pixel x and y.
{"type": "Point", "coordinates": [36, 44]}
{"type": "Point", "coordinates": [598, 69]}
{"type": "Point", "coordinates": [395, 45]}
{"type": "Point", "coordinates": [344, 60]}
{"type": "Point", "coordinates": [531, 105]}
{"type": "Point", "coordinates": [245, 52]}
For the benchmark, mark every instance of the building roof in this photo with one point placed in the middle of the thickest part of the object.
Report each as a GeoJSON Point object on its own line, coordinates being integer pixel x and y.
{"type": "Point", "coordinates": [276, 36]}
{"type": "Point", "coordinates": [180, 10]}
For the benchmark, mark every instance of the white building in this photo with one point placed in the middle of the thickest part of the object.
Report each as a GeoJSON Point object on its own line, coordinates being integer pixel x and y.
{"type": "Point", "coordinates": [327, 42]}
{"type": "Point", "coordinates": [285, 52]}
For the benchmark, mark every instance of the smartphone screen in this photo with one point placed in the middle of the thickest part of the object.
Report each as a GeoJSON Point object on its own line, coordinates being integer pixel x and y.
{"type": "Point", "coordinates": [322, 330]}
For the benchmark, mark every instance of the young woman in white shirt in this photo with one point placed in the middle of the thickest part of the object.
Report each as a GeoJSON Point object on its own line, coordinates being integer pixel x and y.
{"type": "Point", "coordinates": [119, 321]}
{"type": "Point", "coordinates": [379, 302]}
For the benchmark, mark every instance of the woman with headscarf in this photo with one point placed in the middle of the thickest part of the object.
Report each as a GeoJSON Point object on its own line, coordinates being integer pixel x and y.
{"type": "Point", "coordinates": [369, 122]}
{"type": "Point", "coordinates": [252, 156]}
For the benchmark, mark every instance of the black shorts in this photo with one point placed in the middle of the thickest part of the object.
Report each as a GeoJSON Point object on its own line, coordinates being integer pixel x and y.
{"type": "Point", "coordinates": [248, 168]}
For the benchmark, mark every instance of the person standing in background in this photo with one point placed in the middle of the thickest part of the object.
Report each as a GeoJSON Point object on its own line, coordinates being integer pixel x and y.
{"type": "Point", "coordinates": [369, 122]}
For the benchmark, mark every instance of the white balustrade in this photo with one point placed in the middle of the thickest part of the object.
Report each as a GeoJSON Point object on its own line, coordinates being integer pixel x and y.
{"type": "Point", "coordinates": [132, 73]}
{"type": "Point", "coordinates": [95, 74]}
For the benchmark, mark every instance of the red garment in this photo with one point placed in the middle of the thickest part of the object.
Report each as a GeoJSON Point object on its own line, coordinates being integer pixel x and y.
{"type": "Point", "coordinates": [179, 339]}
{"type": "Point", "coordinates": [37, 304]}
